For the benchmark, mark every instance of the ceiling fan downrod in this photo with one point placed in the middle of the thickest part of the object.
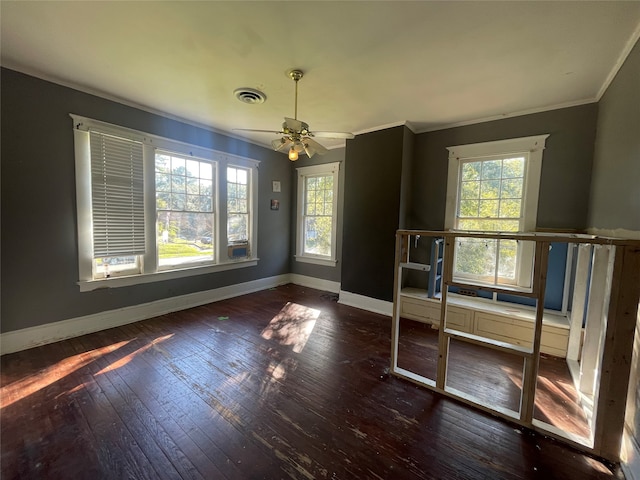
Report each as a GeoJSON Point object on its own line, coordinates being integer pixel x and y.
{"type": "Point", "coordinates": [296, 75]}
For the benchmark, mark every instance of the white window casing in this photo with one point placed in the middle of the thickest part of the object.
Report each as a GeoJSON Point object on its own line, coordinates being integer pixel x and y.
{"type": "Point", "coordinates": [149, 271]}
{"type": "Point", "coordinates": [531, 148]}
{"type": "Point", "coordinates": [327, 169]}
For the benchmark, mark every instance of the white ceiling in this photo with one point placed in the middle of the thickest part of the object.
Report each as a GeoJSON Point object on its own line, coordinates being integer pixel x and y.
{"type": "Point", "coordinates": [367, 64]}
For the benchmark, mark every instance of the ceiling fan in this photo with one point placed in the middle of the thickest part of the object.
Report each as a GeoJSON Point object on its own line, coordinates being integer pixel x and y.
{"type": "Point", "coordinates": [296, 135]}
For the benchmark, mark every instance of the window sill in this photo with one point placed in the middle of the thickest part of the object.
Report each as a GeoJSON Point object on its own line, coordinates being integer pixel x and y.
{"type": "Point", "coordinates": [316, 260]}
{"type": "Point", "coordinates": [125, 281]}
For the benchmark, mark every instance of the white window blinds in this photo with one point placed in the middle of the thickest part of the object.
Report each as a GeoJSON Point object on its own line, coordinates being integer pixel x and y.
{"type": "Point", "coordinates": [117, 196]}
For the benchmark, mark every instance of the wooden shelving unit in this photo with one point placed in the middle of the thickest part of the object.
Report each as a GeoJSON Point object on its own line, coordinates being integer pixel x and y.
{"type": "Point", "coordinates": [611, 305]}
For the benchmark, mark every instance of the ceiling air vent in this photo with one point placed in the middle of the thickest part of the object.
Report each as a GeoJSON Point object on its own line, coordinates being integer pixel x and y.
{"type": "Point", "coordinates": [249, 95]}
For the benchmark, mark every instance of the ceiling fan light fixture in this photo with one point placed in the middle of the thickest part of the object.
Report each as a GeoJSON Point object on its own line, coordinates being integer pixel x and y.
{"type": "Point", "coordinates": [296, 136]}
{"type": "Point", "coordinates": [278, 144]}
{"type": "Point", "coordinates": [307, 150]}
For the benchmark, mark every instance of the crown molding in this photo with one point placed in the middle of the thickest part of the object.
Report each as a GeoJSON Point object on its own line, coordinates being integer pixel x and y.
{"type": "Point", "coordinates": [618, 65]}
{"type": "Point", "coordinates": [128, 103]}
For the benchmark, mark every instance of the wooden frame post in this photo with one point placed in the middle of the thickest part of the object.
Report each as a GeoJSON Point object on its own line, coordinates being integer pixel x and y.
{"type": "Point", "coordinates": [530, 368]}
{"type": "Point", "coordinates": [595, 326]}
{"type": "Point", "coordinates": [443, 339]}
{"type": "Point", "coordinates": [578, 302]}
{"type": "Point", "coordinates": [617, 352]}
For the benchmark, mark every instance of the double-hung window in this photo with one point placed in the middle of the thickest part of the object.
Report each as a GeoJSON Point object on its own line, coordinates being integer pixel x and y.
{"type": "Point", "coordinates": [148, 207]}
{"type": "Point", "coordinates": [317, 213]}
{"type": "Point", "coordinates": [493, 188]}
{"type": "Point", "coordinates": [184, 210]}
{"type": "Point", "coordinates": [237, 204]}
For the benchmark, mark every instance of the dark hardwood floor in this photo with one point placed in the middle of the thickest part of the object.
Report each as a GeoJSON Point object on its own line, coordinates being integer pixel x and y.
{"type": "Point", "coordinates": [244, 389]}
{"type": "Point", "coordinates": [495, 378]}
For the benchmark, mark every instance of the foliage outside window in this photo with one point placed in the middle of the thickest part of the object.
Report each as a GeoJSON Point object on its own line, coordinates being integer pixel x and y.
{"type": "Point", "coordinates": [184, 209]}
{"type": "Point", "coordinates": [490, 200]}
{"type": "Point", "coordinates": [493, 187]}
{"type": "Point", "coordinates": [237, 205]}
{"type": "Point", "coordinates": [317, 208]}
{"type": "Point", "coordinates": [147, 207]}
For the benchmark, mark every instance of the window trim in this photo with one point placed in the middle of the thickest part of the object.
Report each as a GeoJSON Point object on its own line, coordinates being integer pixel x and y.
{"type": "Point", "coordinates": [533, 148]}
{"type": "Point", "coordinates": [304, 172]}
{"type": "Point", "coordinates": [148, 262]}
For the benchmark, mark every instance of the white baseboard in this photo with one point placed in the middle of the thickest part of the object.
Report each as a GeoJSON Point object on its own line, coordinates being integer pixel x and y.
{"type": "Point", "coordinates": [317, 283]}
{"type": "Point", "coordinates": [25, 338]}
{"type": "Point", "coordinates": [630, 457]}
{"type": "Point", "coordinates": [366, 303]}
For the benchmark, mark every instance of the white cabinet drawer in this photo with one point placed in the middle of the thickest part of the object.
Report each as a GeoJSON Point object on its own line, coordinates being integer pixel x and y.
{"type": "Point", "coordinates": [554, 340]}
{"type": "Point", "coordinates": [422, 310]}
{"type": "Point", "coordinates": [460, 319]}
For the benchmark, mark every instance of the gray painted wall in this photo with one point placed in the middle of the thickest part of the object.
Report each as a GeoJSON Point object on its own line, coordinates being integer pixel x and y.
{"type": "Point", "coordinates": [615, 189]}
{"type": "Point", "coordinates": [566, 167]}
{"type": "Point", "coordinates": [373, 179]}
{"type": "Point", "coordinates": [308, 269]}
{"type": "Point", "coordinates": [40, 262]}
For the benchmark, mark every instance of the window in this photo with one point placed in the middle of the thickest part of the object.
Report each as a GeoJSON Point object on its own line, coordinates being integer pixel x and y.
{"type": "Point", "coordinates": [493, 187]}
{"type": "Point", "coordinates": [184, 210]}
{"type": "Point", "coordinates": [237, 205]}
{"type": "Point", "coordinates": [317, 208]}
{"type": "Point", "coordinates": [147, 207]}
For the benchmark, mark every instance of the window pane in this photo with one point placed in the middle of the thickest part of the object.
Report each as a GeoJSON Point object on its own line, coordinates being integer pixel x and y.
{"type": "Point", "coordinates": [237, 227]}
{"type": "Point", "coordinates": [490, 189]}
{"type": "Point", "coordinates": [162, 200]}
{"type": "Point", "coordinates": [193, 186]}
{"type": "Point", "coordinates": [177, 201]}
{"type": "Point", "coordinates": [177, 183]}
{"type": "Point", "coordinates": [513, 167]}
{"type": "Point", "coordinates": [184, 225]}
{"type": "Point", "coordinates": [510, 209]}
{"type": "Point", "coordinates": [488, 208]}
{"type": "Point", "coordinates": [232, 190]}
{"type": "Point", "coordinates": [469, 208]}
{"type": "Point", "coordinates": [471, 171]}
{"type": "Point", "coordinates": [491, 169]}
{"type": "Point", "coordinates": [193, 168]}
{"type": "Point", "coordinates": [475, 256]}
{"type": "Point", "coordinates": [178, 166]}
{"type": "Point", "coordinates": [184, 237]}
{"type": "Point", "coordinates": [512, 188]}
{"type": "Point", "coordinates": [488, 225]}
{"type": "Point", "coordinates": [113, 266]}
{"type": "Point", "coordinates": [242, 176]}
{"type": "Point", "coordinates": [317, 235]}
{"type": "Point", "coordinates": [507, 261]}
{"type": "Point", "coordinates": [470, 190]}
{"type": "Point", "coordinates": [206, 170]}
{"type": "Point", "coordinates": [162, 163]}
{"type": "Point", "coordinates": [206, 187]}
{"type": "Point", "coordinates": [231, 175]}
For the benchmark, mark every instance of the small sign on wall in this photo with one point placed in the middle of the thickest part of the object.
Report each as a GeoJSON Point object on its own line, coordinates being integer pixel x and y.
{"type": "Point", "coordinates": [276, 186]}
{"type": "Point", "coordinates": [275, 204]}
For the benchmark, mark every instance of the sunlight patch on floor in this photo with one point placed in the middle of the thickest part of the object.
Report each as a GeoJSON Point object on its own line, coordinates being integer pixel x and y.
{"type": "Point", "coordinates": [127, 358]}
{"type": "Point", "coordinates": [16, 391]}
{"type": "Point", "coordinates": [292, 326]}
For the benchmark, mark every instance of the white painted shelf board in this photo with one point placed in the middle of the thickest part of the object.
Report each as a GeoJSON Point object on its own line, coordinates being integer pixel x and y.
{"type": "Point", "coordinates": [514, 310]}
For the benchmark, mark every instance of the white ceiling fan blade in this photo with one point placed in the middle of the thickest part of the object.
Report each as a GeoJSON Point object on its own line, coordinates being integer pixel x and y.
{"type": "Point", "coordinates": [311, 147]}
{"type": "Point", "coordinates": [333, 134]}
{"type": "Point", "coordinates": [258, 131]}
{"type": "Point", "coordinates": [281, 143]}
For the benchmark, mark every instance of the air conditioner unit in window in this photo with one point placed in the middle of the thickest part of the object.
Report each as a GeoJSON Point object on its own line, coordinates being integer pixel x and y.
{"type": "Point", "coordinates": [238, 250]}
